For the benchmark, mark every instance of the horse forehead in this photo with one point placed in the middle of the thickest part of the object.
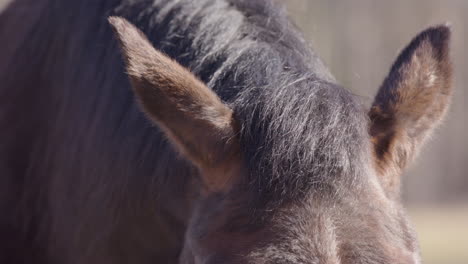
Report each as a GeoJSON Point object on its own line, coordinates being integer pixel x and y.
{"type": "Point", "coordinates": [315, 230]}
{"type": "Point", "coordinates": [301, 239]}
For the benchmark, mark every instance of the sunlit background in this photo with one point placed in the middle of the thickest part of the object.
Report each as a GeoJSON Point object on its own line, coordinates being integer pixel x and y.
{"type": "Point", "coordinates": [358, 40]}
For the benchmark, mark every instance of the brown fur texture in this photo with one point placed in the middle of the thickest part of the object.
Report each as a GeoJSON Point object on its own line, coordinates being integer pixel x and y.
{"type": "Point", "coordinates": [227, 141]}
{"type": "Point", "coordinates": [411, 103]}
{"type": "Point", "coordinates": [331, 230]}
{"type": "Point", "coordinates": [199, 124]}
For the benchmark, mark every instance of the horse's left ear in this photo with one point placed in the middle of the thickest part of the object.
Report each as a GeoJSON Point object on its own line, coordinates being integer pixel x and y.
{"type": "Point", "coordinates": [411, 103]}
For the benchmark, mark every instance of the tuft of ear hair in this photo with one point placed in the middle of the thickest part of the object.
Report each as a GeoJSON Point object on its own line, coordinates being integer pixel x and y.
{"type": "Point", "coordinates": [195, 120]}
{"type": "Point", "coordinates": [411, 102]}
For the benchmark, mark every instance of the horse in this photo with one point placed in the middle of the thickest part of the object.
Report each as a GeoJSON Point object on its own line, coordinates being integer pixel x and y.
{"type": "Point", "coordinates": [202, 132]}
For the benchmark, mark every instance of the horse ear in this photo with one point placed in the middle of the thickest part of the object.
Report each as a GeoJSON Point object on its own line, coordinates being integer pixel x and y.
{"type": "Point", "coordinates": [411, 103]}
{"type": "Point", "coordinates": [192, 116]}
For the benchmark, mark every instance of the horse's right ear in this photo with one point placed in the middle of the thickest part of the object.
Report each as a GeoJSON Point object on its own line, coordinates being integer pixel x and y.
{"type": "Point", "coordinates": [195, 120]}
{"type": "Point", "coordinates": [411, 102]}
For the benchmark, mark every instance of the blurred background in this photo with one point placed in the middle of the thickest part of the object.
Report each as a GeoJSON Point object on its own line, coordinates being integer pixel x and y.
{"type": "Point", "coordinates": [359, 40]}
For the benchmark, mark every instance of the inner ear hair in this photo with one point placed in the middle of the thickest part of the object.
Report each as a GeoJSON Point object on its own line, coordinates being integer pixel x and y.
{"type": "Point", "coordinates": [412, 100]}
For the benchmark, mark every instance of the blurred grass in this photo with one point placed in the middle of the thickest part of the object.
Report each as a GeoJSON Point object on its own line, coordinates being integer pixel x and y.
{"type": "Point", "coordinates": [443, 233]}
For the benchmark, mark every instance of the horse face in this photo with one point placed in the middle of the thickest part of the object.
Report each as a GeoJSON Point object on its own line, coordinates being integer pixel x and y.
{"type": "Point", "coordinates": [350, 220]}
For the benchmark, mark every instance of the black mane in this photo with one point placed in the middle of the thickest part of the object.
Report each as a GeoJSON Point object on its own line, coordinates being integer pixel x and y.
{"type": "Point", "coordinates": [299, 129]}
